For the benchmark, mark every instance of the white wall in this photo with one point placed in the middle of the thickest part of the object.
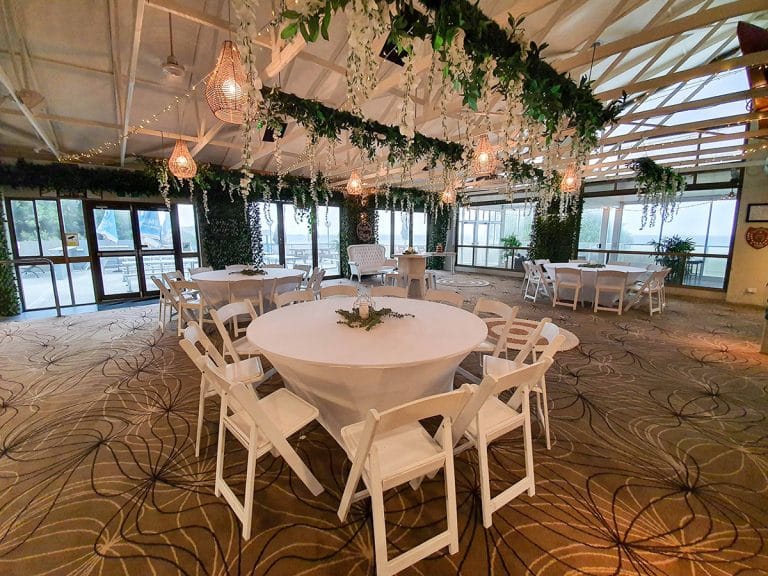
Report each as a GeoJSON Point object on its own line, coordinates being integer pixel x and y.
{"type": "Point", "coordinates": [749, 267]}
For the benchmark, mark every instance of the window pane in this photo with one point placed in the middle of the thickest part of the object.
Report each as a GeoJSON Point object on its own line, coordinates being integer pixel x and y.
{"type": "Point", "coordinates": [328, 234]}
{"type": "Point", "coordinates": [269, 237]}
{"type": "Point", "coordinates": [420, 231]}
{"type": "Point", "coordinates": [385, 230]}
{"type": "Point", "coordinates": [74, 228]}
{"type": "Point", "coordinates": [82, 282]}
{"type": "Point", "coordinates": [187, 262]}
{"type": "Point", "coordinates": [155, 229]}
{"type": "Point", "coordinates": [591, 224]}
{"type": "Point", "coordinates": [119, 274]}
{"type": "Point", "coordinates": [187, 227]}
{"type": "Point", "coordinates": [50, 232]}
{"type": "Point", "coordinates": [156, 265]}
{"type": "Point", "coordinates": [113, 229]}
{"type": "Point", "coordinates": [37, 287]}
{"type": "Point", "coordinates": [23, 214]}
{"type": "Point", "coordinates": [298, 239]}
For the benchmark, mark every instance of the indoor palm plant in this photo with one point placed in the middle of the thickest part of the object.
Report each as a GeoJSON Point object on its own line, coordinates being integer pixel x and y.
{"type": "Point", "coordinates": [672, 252]}
{"type": "Point", "coordinates": [511, 245]}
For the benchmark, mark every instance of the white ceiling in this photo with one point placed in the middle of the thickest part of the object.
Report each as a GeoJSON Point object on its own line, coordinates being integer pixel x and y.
{"type": "Point", "coordinates": [78, 55]}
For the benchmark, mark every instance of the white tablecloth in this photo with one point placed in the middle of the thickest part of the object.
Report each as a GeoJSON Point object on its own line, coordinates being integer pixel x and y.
{"type": "Point", "coordinates": [220, 287]}
{"type": "Point", "coordinates": [589, 277]}
{"type": "Point", "coordinates": [346, 371]}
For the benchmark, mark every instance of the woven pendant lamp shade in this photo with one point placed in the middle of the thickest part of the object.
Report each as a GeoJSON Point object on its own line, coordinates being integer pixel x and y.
{"type": "Point", "coordinates": [355, 185]}
{"type": "Point", "coordinates": [484, 161]}
{"type": "Point", "coordinates": [225, 90]}
{"type": "Point", "coordinates": [571, 179]}
{"type": "Point", "coordinates": [181, 164]}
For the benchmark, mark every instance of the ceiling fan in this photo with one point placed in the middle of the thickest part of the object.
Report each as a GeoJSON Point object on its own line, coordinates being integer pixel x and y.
{"type": "Point", "coordinates": [171, 66]}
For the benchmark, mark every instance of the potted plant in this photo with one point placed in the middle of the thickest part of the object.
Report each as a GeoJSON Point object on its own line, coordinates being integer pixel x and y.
{"type": "Point", "coordinates": [510, 244]}
{"type": "Point", "coordinates": [672, 252]}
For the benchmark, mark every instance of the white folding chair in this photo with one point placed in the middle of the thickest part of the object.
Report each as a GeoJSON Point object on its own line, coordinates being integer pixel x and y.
{"type": "Point", "coordinates": [540, 281]}
{"type": "Point", "coordinates": [498, 366]}
{"type": "Point", "coordinates": [189, 299]}
{"type": "Point", "coordinates": [653, 285]}
{"type": "Point", "coordinates": [393, 291]}
{"type": "Point", "coordinates": [493, 313]}
{"type": "Point", "coordinates": [167, 301]}
{"type": "Point", "coordinates": [567, 279]}
{"type": "Point", "coordinates": [338, 290]}
{"type": "Point", "coordinates": [315, 282]}
{"type": "Point", "coordinates": [390, 448]}
{"type": "Point", "coordinates": [610, 282]}
{"type": "Point", "coordinates": [171, 277]}
{"type": "Point", "coordinates": [261, 426]}
{"type": "Point", "coordinates": [445, 297]}
{"type": "Point", "coordinates": [293, 297]}
{"type": "Point", "coordinates": [239, 347]}
{"type": "Point", "coordinates": [526, 276]}
{"type": "Point", "coordinates": [486, 418]}
{"type": "Point", "coordinates": [248, 371]}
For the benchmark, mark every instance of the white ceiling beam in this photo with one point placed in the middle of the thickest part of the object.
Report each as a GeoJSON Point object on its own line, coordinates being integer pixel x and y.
{"type": "Point", "coordinates": [5, 80]}
{"type": "Point", "coordinates": [137, 25]}
{"type": "Point", "coordinates": [284, 55]}
{"type": "Point", "coordinates": [206, 138]}
{"type": "Point", "coordinates": [756, 58]}
{"type": "Point", "coordinates": [114, 53]}
{"type": "Point", "coordinates": [673, 28]}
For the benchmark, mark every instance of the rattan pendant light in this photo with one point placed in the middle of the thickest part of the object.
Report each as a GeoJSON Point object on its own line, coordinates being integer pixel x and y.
{"type": "Point", "coordinates": [571, 179]}
{"type": "Point", "coordinates": [484, 159]}
{"type": "Point", "coordinates": [354, 184]}
{"type": "Point", "coordinates": [225, 90]}
{"type": "Point", "coordinates": [181, 164]}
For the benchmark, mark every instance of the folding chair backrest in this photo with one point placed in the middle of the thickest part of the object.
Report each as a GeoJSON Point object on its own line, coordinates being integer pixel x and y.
{"type": "Point", "coordinates": [563, 274]}
{"type": "Point", "coordinates": [306, 268]}
{"type": "Point", "coordinates": [171, 277]}
{"type": "Point", "coordinates": [338, 290]}
{"type": "Point", "coordinates": [192, 340]}
{"type": "Point", "coordinates": [538, 270]}
{"type": "Point", "coordinates": [554, 343]}
{"type": "Point", "coordinates": [659, 276]}
{"type": "Point", "coordinates": [495, 307]}
{"type": "Point", "coordinates": [164, 292]}
{"type": "Point", "coordinates": [445, 296]}
{"type": "Point", "coordinates": [532, 341]}
{"type": "Point", "coordinates": [391, 291]}
{"type": "Point", "coordinates": [317, 279]}
{"type": "Point", "coordinates": [229, 311]}
{"type": "Point", "coordinates": [179, 286]}
{"type": "Point", "coordinates": [611, 279]}
{"type": "Point", "coordinates": [527, 375]}
{"type": "Point", "coordinates": [540, 261]}
{"type": "Point", "coordinates": [293, 297]}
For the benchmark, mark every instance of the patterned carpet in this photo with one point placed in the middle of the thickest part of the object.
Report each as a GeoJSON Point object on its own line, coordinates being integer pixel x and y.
{"type": "Point", "coordinates": [659, 462]}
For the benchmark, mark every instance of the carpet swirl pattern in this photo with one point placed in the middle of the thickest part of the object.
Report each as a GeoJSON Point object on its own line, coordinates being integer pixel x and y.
{"type": "Point", "coordinates": [659, 463]}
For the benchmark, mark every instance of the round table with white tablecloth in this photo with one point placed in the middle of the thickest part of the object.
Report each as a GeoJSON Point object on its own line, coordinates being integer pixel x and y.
{"type": "Point", "coordinates": [589, 277]}
{"type": "Point", "coordinates": [220, 287]}
{"type": "Point", "coordinates": [346, 371]}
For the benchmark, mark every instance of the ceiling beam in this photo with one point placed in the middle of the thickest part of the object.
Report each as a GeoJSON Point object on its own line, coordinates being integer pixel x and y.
{"type": "Point", "coordinates": [673, 28]}
{"type": "Point", "coordinates": [138, 23]}
{"type": "Point", "coordinates": [753, 59]}
{"type": "Point", "coordinates": [206, 138]}
{"type": "Point", "coordinates": [6, 81]}
{"type": "Point", "coordinates": [114, 52]}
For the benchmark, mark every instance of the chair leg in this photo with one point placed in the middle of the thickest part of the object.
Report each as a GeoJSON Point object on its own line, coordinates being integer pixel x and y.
{"type": "Point", "coordinates": [485, 481]}
{"type": "Point", "coordinates": [528, 448]}
{"type": "Point", "coordinates": [200, 411]}
{"type": "Point", "coordinates": [220, 451]}
{"type": "Point", "coordinates": [250, 471]}
{"type": "Point", "coordinates": [379, 529]}
{"type": "Point", "coordinates": [597, 299]}
{"type": "Point", "coordinates": [543, 408]}
{"type": "Point", "coordinates": [450, 495]}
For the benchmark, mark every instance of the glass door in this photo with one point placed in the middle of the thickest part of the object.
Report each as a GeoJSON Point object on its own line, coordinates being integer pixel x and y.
{"type": "Point", "coordinates": [117, 253]}
{"type": "Point", "coordinates": [155, 250]}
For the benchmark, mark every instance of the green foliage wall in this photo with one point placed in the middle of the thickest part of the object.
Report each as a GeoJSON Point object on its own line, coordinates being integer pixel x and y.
{"type": "Point", "coordinates": [438, 234]}
{"type": "Point", "coordinates": [353, 213]}
{"type": "Point", "coordinates": [554, 238]}
{"type": "Point", "coordinates": [225, 234]}
{"type": "Point", "coordinates": [9, 295]}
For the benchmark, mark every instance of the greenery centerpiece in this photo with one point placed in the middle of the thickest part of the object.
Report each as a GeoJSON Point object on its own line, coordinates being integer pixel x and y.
{"type": "Point", "coordinates": [591, 265]}
{"type": "Point", "coordinates": [354, 319]}
{"type": "Point", "coordinates": [250, 272]}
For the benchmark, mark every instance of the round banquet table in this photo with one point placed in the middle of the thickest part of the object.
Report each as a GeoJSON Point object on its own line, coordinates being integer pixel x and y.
{"type": "Point", "coordinates": [589, 277]}
{"type": "Point", "coordinates": [220, 287]}
{"type": "Point", "coordinates": [346, 371]}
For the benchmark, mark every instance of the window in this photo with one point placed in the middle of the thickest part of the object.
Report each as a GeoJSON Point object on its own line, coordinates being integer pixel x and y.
{"type": "Point", "coordinates": [328, 236]}
{"type": "Point", "coordinates": [297, 236]}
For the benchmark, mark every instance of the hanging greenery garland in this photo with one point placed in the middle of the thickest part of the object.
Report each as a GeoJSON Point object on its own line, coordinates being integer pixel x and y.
{"type": "Point", "coordinates": [659, 188]}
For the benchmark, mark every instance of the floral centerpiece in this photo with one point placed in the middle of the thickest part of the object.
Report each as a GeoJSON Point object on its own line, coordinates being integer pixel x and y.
{"type": "Point", "coordinates": [250, 271]}
{"type": "Point", "coordinates": [365, 315]}
{"type": "Point", "coordinates": [410, 250]}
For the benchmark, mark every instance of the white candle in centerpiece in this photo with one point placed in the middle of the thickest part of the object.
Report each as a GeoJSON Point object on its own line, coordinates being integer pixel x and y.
{"type": "Point", "coordinates": [363, 310]}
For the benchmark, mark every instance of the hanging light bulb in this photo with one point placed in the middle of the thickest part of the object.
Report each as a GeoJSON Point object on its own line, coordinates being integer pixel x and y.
{"type": "Point", "coordinates": [484, 157]}
{"type": "Point", "coordinates": [224, 90]}
{"type": "Point", "coordinates": [571, 179]}
{"type": "Point", "coordinates": [181, 164]}
{"type": "Point", "coordinates": [449, 195]}
{"type": "Point", "coordinates": [354, 184]}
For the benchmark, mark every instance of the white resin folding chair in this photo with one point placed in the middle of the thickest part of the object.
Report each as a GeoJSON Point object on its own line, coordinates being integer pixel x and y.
{"type": "Point", "coordinates": [390, 448]}
{"type": "Point", "coordinates": [306, 269]}
{"type": "Point", "coordinates": [526, 276]}
{"type": "Point", "coordinates": [498, 366]}
{"type": "Point", "coordinates": [293, 297]}
{"type": "Point", "coordinates": [189, 300]}
{"type": "Point", "coordinates": [610, 282]}
{"type": "Point", "coordinates": [392, 291]}
{"type": "Point", "coordinates": [541, 261]}
{"type": "Point", "coordinates": [567, 279]}
{"type": "Point", "coordinates": [167, 302]}
{"type": "Point", "coordinates": [486, 418]}
{"type": "Point", "coordinates": [261, 426]}
{"type": "Point", "coordinates": [540, 281]}
{"type": "Point", "coordinates": [171, 277]}
{"type": "Point", "coordinates": [248, 371]}
{"type": "Point", "coordinates": [200, 269]}
{"type": "Point", "coordinates": [239, 347]}
{"type": "Point", "coordinates": [445, 297]}
{"type": "Point", "coordinates": [653, 286]}
{"type": "Point", "coordinates": [493, 313]}
{"type": "Point", "coordinates": [315, 282]}
{"type": "Point", "coordinates": [338, 290]}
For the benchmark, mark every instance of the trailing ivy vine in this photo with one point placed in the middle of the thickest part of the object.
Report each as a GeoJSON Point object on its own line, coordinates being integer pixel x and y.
{"type": "Point", "coordinates": [9, 294]}
{"type": "Point", "coordinates": [554, 237]}
{"type": "Point", "coordinates": [660, 188]}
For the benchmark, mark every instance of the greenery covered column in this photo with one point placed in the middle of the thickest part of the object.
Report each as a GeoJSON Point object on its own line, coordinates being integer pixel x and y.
{"type": "Point", "coordinates": [358, 226]}
{"type": "Point", "coordinates": [224, 230]}
{"type": "Point", "coordinates": [555, 238]}
{"type": "Point", "coordinates": [438, 234]}
{"type": "Point", "coordinates": [9, 295]}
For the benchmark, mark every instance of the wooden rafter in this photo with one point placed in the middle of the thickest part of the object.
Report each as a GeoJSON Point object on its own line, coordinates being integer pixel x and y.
{"type": "Point", "coordinates": [133, 62]}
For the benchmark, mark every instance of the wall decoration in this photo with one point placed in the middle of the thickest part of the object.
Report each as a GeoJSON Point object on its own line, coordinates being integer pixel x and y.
{"type": "Point", "coordinates": [757, 238]}
{"type": "Point", "coordinates": [757, 212]}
